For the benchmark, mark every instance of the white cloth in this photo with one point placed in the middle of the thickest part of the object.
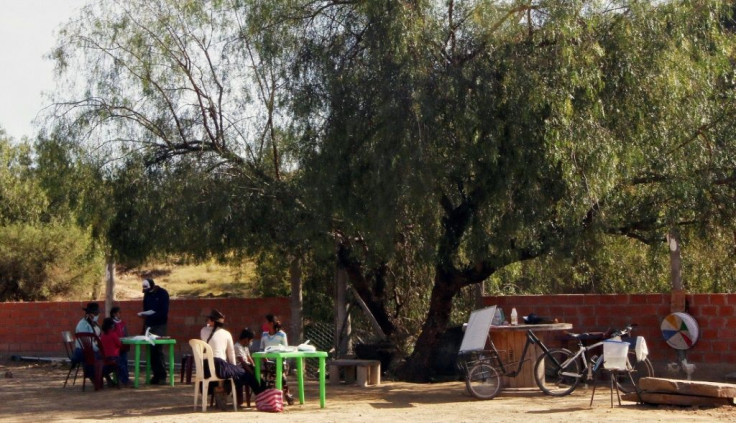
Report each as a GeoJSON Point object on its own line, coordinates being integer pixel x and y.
{"type": "Point", "coordinates": [221, 343]}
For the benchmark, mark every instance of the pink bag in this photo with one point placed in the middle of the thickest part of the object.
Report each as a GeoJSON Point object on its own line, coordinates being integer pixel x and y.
{"type": "Point", "coordinates": [271, 400]}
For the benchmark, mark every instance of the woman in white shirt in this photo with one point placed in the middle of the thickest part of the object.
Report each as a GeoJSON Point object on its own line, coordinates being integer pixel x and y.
{"type": "Point", "coordinates": [274, 337]}
{"type": "Point", "coordinates": [224, 353]}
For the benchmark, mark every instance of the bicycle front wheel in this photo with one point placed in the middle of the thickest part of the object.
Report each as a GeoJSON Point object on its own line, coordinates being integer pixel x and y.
{"type": "Point", "coordinates": [483, 381]}
{"type": "Point", "coordinates": [553, 376]}
{"type": "Point", "coordinates": [637, 369]}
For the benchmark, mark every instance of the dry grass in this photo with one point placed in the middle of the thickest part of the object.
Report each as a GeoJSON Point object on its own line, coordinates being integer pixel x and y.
{"type": "Point", "coordinates": [188, 280]}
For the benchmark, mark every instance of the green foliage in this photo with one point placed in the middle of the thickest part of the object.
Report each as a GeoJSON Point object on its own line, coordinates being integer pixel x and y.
{"type": "Point", "coordinates": [272, 279]}
{"type": "Point", "coordinates": [21, 198]}
{"type": "Point", "coordinates": [44, 254]}
{"type": "Point", "coordinates": [43, 262]}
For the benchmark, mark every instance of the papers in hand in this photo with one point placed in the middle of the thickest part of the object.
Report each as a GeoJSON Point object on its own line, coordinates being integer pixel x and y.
{"type": "Point", "coordinates": [147, 313]}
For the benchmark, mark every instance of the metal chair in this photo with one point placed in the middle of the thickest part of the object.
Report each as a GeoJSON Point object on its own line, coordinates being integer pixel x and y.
{"type": "Point", "coordinates": [69, 347]}
{"type": "Point", "coordinates": [95, 364]}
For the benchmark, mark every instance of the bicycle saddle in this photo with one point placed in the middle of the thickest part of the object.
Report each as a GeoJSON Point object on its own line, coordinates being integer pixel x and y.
{"type": "Point", "coordinates": [587, 336]}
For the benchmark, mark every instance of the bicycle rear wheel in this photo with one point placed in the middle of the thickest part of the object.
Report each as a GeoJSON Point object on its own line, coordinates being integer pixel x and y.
{"type": "Point", "coordinates": [639, 369]}
{"type": "Point", "coordinates": [483, 381]}
{"type": "Point", "coordinates": [551, 377]}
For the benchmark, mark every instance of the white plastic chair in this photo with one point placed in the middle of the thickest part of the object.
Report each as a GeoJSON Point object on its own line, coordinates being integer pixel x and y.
{"type": "Point", "coordinates": [203, 351]}
{"type": "Point", "coordinates": [615, 359]}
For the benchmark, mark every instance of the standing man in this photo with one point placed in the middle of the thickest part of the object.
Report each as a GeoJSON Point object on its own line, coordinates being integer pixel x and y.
{"type": "Point", "coordinates": [155, 314]}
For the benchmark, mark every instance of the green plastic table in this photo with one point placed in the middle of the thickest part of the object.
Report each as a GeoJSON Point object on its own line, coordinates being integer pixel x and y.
{"type": "Point", "coordinates": [160, 341]}
{"type": "Point", "coordinates": [279, 357]}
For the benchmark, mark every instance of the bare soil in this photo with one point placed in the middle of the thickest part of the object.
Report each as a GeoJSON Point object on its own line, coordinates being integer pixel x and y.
{"type": "Point", "coordinates": [32, 392]}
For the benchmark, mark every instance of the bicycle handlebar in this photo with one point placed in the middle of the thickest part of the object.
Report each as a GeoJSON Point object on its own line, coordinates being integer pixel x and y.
{"type": "Point", "coordinates": [625, 331]}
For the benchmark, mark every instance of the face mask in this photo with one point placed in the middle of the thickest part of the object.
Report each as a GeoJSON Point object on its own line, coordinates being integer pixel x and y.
{"type": "Point", "coordinates": [95, 318]}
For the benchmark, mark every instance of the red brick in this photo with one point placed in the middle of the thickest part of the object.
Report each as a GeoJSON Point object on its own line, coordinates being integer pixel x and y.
{"type": "Point", "coordinates": [587, 324]}
{"type": "Point", "coordinates": [695, 356]}
{"type": "Point", "coordinates": [721, 346]}
{"type": "Point", "coordinates": [714, 322]}
{"type": "Point", "coordinates": [656, 299]}
{"type": "Point", "coordinates": [726, 310]}
{"type": "Point", "coordinates": [717, 299]}
{"type": "Point", "coordinates": [721, 333]}
{"type": "Point", "coordinates": [711, 357]}
{"type": "Point", "coordinates": [708, 310]}
{"type": "Point", "coordinates": [710, 333]}
{"type": "Point", "coordinates": [638, 299]}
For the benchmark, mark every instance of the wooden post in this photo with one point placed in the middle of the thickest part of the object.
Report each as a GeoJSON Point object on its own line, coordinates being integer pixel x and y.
{"type": "Point", "coordinates": [295, 275]}
{"type": "Point", "coordinates": [677, 302]}
{"type": "Point", "coordinates": [478, 291]}
{"type": "Point", "coordinates": [109, 284]}
{"type": "Point", "coordinates": [342, 319]}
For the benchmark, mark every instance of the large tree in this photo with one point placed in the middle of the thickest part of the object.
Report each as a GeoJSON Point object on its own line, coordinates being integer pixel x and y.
{"type": "Point", "coordinates": [435, 142]}
{"type": "Point", "coordinates": [504, 131]}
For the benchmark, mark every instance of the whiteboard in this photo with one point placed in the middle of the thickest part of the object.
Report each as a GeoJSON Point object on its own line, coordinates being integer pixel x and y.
{"type": "Point", "coordinates": [476, 333]}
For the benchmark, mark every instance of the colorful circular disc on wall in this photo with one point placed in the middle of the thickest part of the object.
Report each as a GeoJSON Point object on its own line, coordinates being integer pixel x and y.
{"type": "Point", "coordinates": [680, 330]}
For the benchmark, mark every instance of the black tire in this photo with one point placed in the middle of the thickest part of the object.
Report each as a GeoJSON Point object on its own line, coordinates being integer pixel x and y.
{"type": "Point", "coordinates": [639, 369]}
{"type": "Point", "coordinates": [483, 381]}
{"type": "Point", "coordinates": [549, 375]}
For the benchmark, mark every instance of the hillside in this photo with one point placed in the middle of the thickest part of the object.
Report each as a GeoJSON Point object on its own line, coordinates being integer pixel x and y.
{"type": "Point", "coordinates": [203, 280]}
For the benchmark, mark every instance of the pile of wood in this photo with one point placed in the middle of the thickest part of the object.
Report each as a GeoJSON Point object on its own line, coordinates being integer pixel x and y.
{"type": "Point", "coordinates": [683, 392]}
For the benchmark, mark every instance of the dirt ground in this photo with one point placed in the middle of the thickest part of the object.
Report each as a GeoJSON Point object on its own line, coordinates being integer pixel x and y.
{"type": "Point", "coordinates": [34, 393]}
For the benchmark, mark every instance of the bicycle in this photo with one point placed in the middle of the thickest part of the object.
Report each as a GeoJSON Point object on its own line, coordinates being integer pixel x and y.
{"type": "Point", "coordinates": [558, 371]}
{"type": "Point", "coordinates": [483, 368]}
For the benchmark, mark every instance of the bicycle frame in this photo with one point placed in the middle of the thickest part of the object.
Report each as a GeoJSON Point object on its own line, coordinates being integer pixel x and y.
{"type": "Point", "coordinates": [531, 339]}
{"type": "Point", "coordinates": [582, 349]}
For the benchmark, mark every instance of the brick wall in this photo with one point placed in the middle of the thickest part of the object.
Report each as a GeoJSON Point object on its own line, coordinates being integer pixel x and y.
{"type": "Point", "coordinates": [714, 352]}
{"type": "Point", "coordinates": [34, 328]}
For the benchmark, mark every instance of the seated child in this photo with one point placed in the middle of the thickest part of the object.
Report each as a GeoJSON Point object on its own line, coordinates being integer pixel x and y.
{"type": "Point", "coordinates": [110, 346]}
{"type": "Point", "coordinates": [242, 356]}
{"type": "Point", "coordinates": [242, 349]}
{"type": "Point", "coordinates": [122, 330]}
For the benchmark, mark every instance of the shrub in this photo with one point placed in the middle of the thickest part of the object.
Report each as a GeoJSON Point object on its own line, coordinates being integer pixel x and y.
{"type": "Point", "coordinates": [44, 262]}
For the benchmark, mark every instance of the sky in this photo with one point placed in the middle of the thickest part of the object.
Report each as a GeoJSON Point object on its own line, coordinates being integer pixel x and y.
{"type": "Point", "coordinates": [26, 35]}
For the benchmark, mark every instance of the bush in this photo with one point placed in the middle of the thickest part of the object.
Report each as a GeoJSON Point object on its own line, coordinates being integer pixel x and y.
{"type": "Point", "coordinates": [44, 262]}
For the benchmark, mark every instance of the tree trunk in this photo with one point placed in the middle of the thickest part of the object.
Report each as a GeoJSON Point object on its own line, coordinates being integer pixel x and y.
{"type": "Point", "coordinates": [419, 366]}
{"type": "Point", "coordinates": [478, 291]}
{"type": "Point", "coordinates": [342, 318]}
{"type": "Point", "coordinates": [295, 275]}
{"type": "Point", "coordinates": [372, 298]}
{"type": "Point", "coordinates": [370, 290]}
{"type": "Point", "coordinates": [673, 240]}
{"type": "Point", "coordinates": [678, 301]}
{"type": "Point", "coordinates": [109, 283]}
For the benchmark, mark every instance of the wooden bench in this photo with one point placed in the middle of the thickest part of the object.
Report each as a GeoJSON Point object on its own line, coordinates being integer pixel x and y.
{"type": "Point", "coordinates": [363, 372]}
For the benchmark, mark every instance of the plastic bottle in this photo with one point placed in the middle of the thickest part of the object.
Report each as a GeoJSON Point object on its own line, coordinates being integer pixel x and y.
{"type": "Point", "coordinates": [514, 317]}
